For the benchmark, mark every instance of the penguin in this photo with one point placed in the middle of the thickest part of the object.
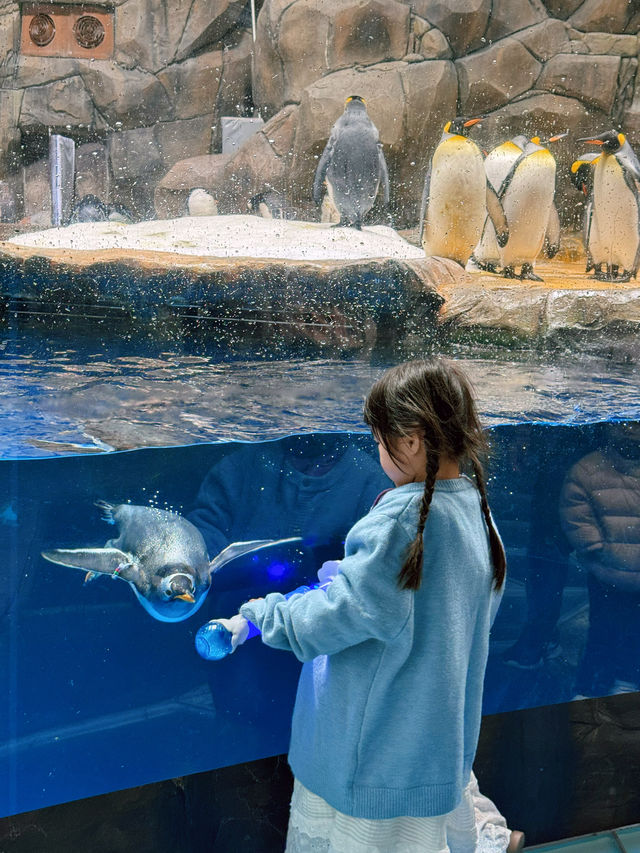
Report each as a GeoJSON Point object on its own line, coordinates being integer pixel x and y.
{"type": "Point", "coordinates": [352, 165]}
{"type": "Point", "coordinates": [201, 203]}
{"type": "Point", "coordinates": [582, 178]}
{"type": "Point", "coordinates": [271, 205]}
{"type": "Point", "coordinates": [119, 213]}
{"type": "Point", "coordinates": [161, 555]}
{"type": "Point", "coordinates": [615, 210]}
{"type": "Point", "coordinates": [457, 196]}
{"type": "Point", "coordinates": [527, 195]}
{"type": "Point", "coordinates": [89, 208]}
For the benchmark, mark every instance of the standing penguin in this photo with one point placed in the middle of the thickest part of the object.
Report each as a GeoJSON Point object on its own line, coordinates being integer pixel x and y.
{"type": "Point", "coordinates": [582, 178]}
{"type": "Point", "coordinates": [527, 195]}
{"type": "Point", "coordinates": [615, 210]}
{"type": "Point", "coordinates": [457, 197]}
{"type": "Point", "coordinates": [353, 165]}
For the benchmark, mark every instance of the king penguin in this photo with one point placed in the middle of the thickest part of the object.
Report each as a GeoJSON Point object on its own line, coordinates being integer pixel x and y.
{"type": "Point", "coordinates": [527, 195]}
{"type": "Point", "coordinates": [457, 197]}
{"type": "Point", "coordinates": [582, 171]}
{"type": "Point", "coordinates": [353, 165]}
{"type": "Point", "coordinates": [615, 209]}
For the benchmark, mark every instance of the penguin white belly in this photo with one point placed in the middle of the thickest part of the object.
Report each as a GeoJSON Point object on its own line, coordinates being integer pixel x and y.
{"type": "Point", "coordinates": [615, 213]}
{"type": "Point", "coordinates": [527, 202]}
{"type": "Point", "coordinates": [497, 165]}
{"type": "Point", "coordinates": [457, 201]}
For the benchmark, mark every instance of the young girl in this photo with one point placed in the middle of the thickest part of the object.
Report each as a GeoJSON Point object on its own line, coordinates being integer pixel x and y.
{"type": "Point", "coordinates": [388, 709]}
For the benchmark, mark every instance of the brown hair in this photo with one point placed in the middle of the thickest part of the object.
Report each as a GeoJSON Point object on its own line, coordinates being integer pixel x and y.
{"type": "Point", "coordinates": [433, 398]}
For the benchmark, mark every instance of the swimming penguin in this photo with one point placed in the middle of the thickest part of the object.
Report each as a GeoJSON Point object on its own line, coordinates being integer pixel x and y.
{"type": "Point", "coordinates": [457, 197]}
{"type": "Point", "coordinates": [527, 195]}
{"type": "Point", "coordinates": [615, 210]}
{"type": "Point", "coordinates": [201, 203]}
{"type": "Point", "coordinates": [582, 178]}
{"type": "Point", "coordinates": [353, 165]}
{"type": "Point", "coordinates": [160, 554]}
{"type": "Point", "coordinates": [271, 205]}
{"type": "Point", "coordinates": [89, 208]}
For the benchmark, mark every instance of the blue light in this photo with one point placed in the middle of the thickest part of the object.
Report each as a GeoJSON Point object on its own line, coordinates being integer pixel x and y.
{"type": "Point", "coordinates": [276, 571]}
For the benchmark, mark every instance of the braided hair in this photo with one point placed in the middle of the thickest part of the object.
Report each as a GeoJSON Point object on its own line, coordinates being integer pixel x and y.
{"type": "Point", "coordinates": [433, 398]}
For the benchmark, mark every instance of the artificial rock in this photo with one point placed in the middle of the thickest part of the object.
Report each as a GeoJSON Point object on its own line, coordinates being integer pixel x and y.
{"type": "Point", "coordinates": [496, 75]}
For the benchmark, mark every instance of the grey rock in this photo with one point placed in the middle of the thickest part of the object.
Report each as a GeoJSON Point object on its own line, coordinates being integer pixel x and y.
{"type": "Point", "coordinates": [37, 70]}
{"type": "Point", "coordinates": [234, 94]}
{"type": "Point", "coordinates": [148, 32]}
{"type": "Point", "coordinates": [546, 39]}
{"type": "Point", "coordinates": [463, 22]}
{"type": "Point", "coordinates": [37, 193]}
{"type": "Point", "coordinates": [177, 140]}
{"type": "Point", "coordinates": [57, 104]}
{"type": "Point", "coordinates": [610, 16]}
{"type": "Point", "coordinates": [368, 32]}
{"type": "Point", "coordinates": [562, 8]}
{"type": "Point", "coordinates": [130, 96]}
{"type": "Point", "coordinates": [592, 79]}
{"type": "Point", "coordinates": [205, 171]}
{"type": "Point", "coordinates": [508, 16]}
{"type": "Point", "coordinates": [192, 86]}
{"type": "Point", "coordinates": [134, 153]}
{"type": "Point", "coordinates": [208, 23]}
{"type": "Point", "coordinates": [494, 76]}
{"type": "Point", "coordinates": [92, 171]}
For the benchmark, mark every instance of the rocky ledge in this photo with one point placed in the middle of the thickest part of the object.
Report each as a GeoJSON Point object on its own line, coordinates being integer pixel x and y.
{"type": "Point", "coordinates": [331, 286]}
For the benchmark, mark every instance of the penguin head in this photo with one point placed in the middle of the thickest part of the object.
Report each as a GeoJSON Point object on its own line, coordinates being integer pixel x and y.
{"type": "Point", "coordinates": [611, 141]}
{"type": "Point", "coordinates": [178, 583]}
{"type": "Point", "coordinates": [460, 126]}
{"type": "Point", "coordinates": [355, 103]}
{"type": "Point", "coordinates": [582, 175]}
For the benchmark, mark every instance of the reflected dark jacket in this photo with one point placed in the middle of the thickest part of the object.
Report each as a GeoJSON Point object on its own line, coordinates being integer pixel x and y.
{"type": "Point", "coordinates": [600, 514]}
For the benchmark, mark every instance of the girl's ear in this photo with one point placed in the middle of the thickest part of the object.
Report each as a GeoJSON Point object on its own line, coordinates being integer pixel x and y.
{"type": "Point", "coordinates": [412, 443]}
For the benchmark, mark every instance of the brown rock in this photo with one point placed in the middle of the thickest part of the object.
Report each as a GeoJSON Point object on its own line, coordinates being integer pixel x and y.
{"type": "Point", "coordinates": [134, 153]}
{"type": "Point", "coordinates": [609, 16]}
{"type": "Point", "coordinates": [206, 171]}
{"type": "Point", "coordinates": [562, 8]}
{"type": "Point", "coordinates": [55, 105]}
{"type": "Point", "coordinates": [37, 193]}
{"type": "Point", "coordinates": [592, 79]}
{"type": "Point", "coordinates": [433, 45]}
{"type": "Point", "coordinates": [612, 44]}
{"type": "Point", "coordinates": [9, 31]}
{"type": "Point", "coordinates": [492, 77]}
{"type": "Point", "coordinates": [177, 140]}
{"type": "Point", "coordinates": [148, 32]}
{"type": "Point", "coordinates": [36, 70]}
{"type": "Point", "coordinates": [507, 16]}
{"type": "Point", "coordinates": [208, 23]}
{"type": "Point", "coordinates": [546, 39]}
{"type": "Point", "coordinates": [463, 22]}
{"type": "Point", "coordinates": [193, 85]}
{"type": "Point", "coordinates": [368, 32]}
{"type": "Point", "coordinates": [234, 94]}
{"type": "Point", "coordinates": [10, 138]}
{"type": "Point", "coordinates": [129, 96]}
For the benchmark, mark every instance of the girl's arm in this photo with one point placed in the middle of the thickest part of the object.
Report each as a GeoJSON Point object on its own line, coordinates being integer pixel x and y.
{"type": "Point", "coordinates": [363, 601]}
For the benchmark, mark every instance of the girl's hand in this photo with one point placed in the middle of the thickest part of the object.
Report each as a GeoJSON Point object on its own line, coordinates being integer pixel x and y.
{"type": "Point", "coordinates": [238, 627]}
{"type": "Point", "coordinates": [328, 571]}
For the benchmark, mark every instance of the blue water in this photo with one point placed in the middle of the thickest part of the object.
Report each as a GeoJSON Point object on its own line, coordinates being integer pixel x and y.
{"type": "Point", "coordinates": [103, 697]}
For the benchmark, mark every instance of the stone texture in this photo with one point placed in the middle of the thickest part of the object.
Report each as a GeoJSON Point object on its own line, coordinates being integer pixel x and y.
{"type": "Point", "coordinates": [56, 105]}
{"type": "Point", "coordinates": [37, 193]}
{"type": "Point", "coordinates": [10, 106]}
{"type": "Point", "coordinates": [492, 77]}
{"type": "Point", "coordinates": [300, 42]}
{"type": "Point", "coordinates": [129, 96]}
{"type": "Point", "coordinates": [192, 86]}
{"type": "Point", "coordinates": [562, 8]}
{"type": "Point", "coordinates": [602, 16]}
{"type": "Point", "coordinates": [134, 153]}
{"type": "Point", "coordinates": [92, 170]}
{"type": "Point", "coordinates": [508, 16]}
{"type": "Point", "coordinates": [180, 139]}
{"type": "Point", "coordinates": [208, 23]}
{"type": "Point", "coordinates": [463, 22]}
{"type": "Point", "coordinates": [546, 39]}
{"type": "Point", "coordinates": [594, 80]}
{"type": "Point", "coordinates": [148, 32]}
{"type": "Point", "coordinates": [234, 94]}
{"type": "Point", "coordinates": [206, 171]}
{"type": "Point", "coordinates": [433, 45]}
{"type": "Point", "coordinates": [613, 44]}
{"type": "Point", "coordinates": [37, 70]}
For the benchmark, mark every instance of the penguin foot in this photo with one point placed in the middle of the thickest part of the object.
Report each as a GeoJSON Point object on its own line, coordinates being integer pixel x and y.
{"type": "Point", "coordinates": [527, 273]}
{"type": "Point", "coordinates": [612, 279]}
{"type": "Point", "coordinates": [509, 272]}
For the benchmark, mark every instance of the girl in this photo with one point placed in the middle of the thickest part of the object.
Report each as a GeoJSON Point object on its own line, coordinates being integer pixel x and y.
{"type": "Point", "coordinates": [388, 709]}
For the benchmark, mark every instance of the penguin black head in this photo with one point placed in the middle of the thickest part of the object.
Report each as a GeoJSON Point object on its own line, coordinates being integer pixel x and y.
{"type": "Point", "coordinates": [178, 583]}
{"type": "Point", "coordinates": [582, 175]}
{"type": "Point", "coordinates": [611, 140]}
{"type": "Point", "coordinates": [355, 102]}
{"type": "Point", "coordinates": [460, 126]}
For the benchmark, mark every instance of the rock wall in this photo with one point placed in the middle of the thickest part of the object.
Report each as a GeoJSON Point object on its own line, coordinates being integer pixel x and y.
{"type": "Point", "coordinates": [528, 66]}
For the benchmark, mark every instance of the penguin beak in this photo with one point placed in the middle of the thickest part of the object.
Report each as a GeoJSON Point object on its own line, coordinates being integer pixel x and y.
{"type": "Point", "coordinates": [186, 596]}
{"type": "Point", "coordinates": [594, 140]}
{"type": "Point", "coordinates": [558, 136]}
{"type": "Point", "coordinates": [470, 122]}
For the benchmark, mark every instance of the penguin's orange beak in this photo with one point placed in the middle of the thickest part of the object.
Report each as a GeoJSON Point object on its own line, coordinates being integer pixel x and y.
{"type": "Point", "coordinates": [470, 122]}
{"type": "Point", "coordinates": [186, 596]}
{"type": "Point", "coordinates": [592, 141]}
{"type": "Point", "coordinates": [558, 136]}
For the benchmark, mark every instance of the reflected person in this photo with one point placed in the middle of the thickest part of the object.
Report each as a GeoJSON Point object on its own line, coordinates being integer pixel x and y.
{"type": "Point", "coordinates": [600, 513]}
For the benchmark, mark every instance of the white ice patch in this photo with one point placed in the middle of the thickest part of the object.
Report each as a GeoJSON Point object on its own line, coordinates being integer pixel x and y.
{"type": "Point", "coordinates": [229, 237]}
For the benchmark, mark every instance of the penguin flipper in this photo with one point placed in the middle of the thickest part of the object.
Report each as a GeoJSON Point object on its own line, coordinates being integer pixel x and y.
{"type": "Point", "coordinates": [552, 234]}
{"type": "Point", "coordinates": [424, 203]}
{"type": "Point", "coordinates": [321, 171]}
{"type": "Point", "coordinates": [237, 549]}
{"type": "Point", "coordinates": [497, 216]}
{"type": "Point", "coordinates": [628, 160]}
{"type": "Point", "coordinates": [105, 561]}
{"type": "Point", "coordinates": [384, 174]}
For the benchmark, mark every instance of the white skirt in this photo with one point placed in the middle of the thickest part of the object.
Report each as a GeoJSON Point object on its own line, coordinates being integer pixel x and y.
{"type": "Point", "coordinates": [475, 826]}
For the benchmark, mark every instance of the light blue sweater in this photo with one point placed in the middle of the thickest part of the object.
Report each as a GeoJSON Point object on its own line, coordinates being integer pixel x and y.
{"type": "Point", "coordinates": [388, 708]}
